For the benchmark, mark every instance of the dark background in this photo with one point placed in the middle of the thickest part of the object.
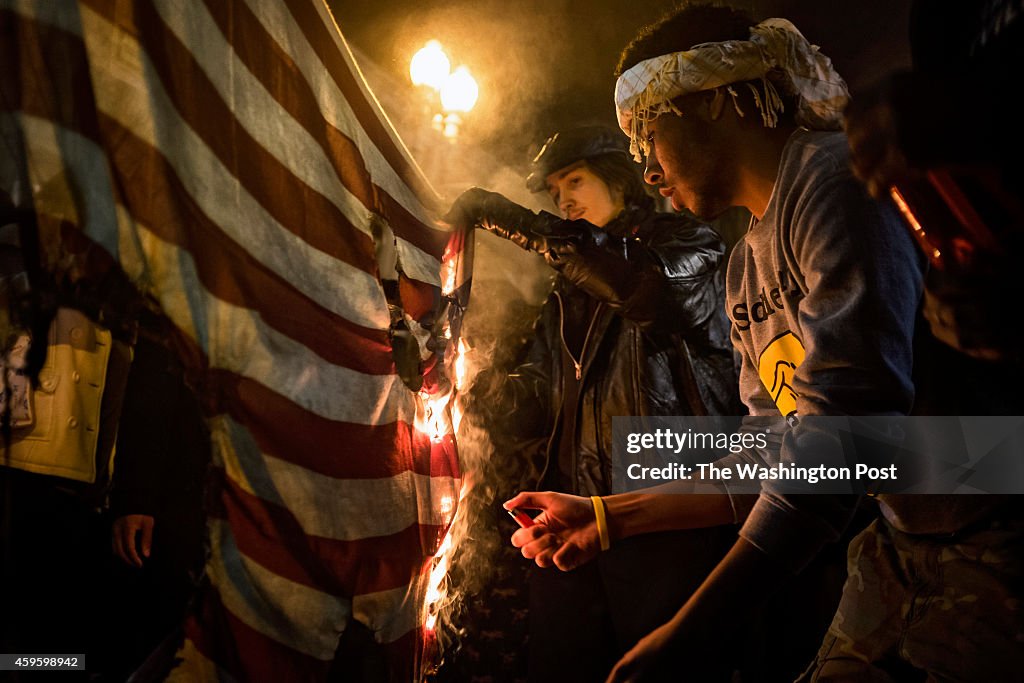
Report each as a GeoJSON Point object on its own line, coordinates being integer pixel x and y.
{"type": "Point", "coordinates": [546, 64]}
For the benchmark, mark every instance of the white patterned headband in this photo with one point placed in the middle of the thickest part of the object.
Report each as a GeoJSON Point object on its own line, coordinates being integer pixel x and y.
{"type": "Point", "coordinates": [646, 91]}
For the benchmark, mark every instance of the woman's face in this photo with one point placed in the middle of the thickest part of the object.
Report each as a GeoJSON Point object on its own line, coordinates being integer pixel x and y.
{"type": "Point", "coordinates": [579, 193]}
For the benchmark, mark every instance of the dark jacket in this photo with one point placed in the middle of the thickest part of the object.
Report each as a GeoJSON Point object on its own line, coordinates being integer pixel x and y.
{"type": "Point", "coordinates": [663, 350]}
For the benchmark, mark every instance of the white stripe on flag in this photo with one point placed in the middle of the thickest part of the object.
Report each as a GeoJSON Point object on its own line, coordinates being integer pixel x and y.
{"type": "Point", "coordinates": [393, 613]}
{"type": "Point", "coordinates": [273, 127]}
{"type": "Point", "coordinates": [57, 155]}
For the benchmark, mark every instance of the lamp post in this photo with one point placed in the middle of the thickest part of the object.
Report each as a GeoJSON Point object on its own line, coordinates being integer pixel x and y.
{"type": "Point", "coordinates": [451, 93]}
{"type": "Point", "coordinates": [458, 95]}
{"type": "Point", "coordinates": [430, 66]}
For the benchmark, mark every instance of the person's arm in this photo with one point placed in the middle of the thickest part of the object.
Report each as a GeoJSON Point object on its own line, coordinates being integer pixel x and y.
{"type": "Point", "coordinates": [697, 634]}
{"type": "Point", "coordinates": [565, 533]}
{"type": "Point", "coordinates": [664, 277]}
{"type": "Point", "coordinates": [862, 284]}
{"type": "Point", "coordinates": [142, 455]}
{"type": "Point", "coordinates": [861, 279]}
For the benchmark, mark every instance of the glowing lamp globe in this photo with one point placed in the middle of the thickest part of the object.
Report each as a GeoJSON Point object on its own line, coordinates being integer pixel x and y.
{"type": "Point", "coordinates": [459, 91]}
{"type": "Point", "coordinates": [430, 66]}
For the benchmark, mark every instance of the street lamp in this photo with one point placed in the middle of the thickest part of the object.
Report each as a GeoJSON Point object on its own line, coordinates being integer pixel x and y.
{"type": "Point", "coordinates": [457, 91]}
{"type": "Point", "coordinates": [458, 94]}
{"type": "Point", "coordinates": [430, 66]}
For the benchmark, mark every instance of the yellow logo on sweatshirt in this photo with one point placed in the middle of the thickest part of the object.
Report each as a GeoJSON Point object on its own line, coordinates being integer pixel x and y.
{"type": "Point", "coordinates": [776, 366]}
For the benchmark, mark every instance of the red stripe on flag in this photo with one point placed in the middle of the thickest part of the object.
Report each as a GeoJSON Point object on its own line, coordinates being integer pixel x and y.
{"type": "Point", "coordinates": [409, 228]}
{"type": "Point", "coordinates": [271, 536]}
{"type": "Point", "coordinates": [286, 430]}
{"type": "Point", "coordinates": [273, 661]}
{"type": "Point", "coordinates": [404, 656]}
{"type": "Point", "coordinates": [419, 300]}
{"type": "Point", "coordinates": [317, 33]}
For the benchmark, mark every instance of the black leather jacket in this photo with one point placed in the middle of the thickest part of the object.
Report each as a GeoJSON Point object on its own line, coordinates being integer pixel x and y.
{"type": "Point", "coordinates": [663, 351]}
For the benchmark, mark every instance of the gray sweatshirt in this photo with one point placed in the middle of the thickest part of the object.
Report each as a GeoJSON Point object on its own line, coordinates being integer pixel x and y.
{"type": "Point", "coordinates": [823, 294]}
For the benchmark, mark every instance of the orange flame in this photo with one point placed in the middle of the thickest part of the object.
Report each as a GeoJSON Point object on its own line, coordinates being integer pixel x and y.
{"type": "Point", "coordinates": [432, 416]}
{"type": "Point", "coordinates": [436, 584]}
{"type": "Point", "coordinates": [449, 272]}
{"type": "Point", "coordinates": [461, 374]}
{"type": "Point", "coordinates": [435, 423]}
{"type": "Point", "coordinates": [460, 366]}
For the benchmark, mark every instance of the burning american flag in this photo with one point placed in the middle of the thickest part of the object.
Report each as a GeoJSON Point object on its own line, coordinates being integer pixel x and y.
{"type": "Point", "coordinates": [229, 158]}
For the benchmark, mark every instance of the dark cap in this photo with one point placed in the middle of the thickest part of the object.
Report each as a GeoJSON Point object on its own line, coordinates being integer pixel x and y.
{"type": "Point", "coordinates": [569, 146]}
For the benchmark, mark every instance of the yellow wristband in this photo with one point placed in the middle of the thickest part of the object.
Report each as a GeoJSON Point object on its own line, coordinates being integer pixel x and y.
{"type": "Point", "coordinates": [602, 522]}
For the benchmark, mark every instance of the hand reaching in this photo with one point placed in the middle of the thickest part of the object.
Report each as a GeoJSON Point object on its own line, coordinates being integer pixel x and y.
{"type": "Point", "coordinates": [647, 661]}
{"type": "Point", "coordinates": [564, 533]}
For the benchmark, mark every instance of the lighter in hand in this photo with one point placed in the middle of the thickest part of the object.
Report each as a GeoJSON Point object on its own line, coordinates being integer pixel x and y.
{"type": "Point", "coordinates": [522, 519]}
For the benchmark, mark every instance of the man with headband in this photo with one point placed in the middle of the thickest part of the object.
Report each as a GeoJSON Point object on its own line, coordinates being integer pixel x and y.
{"type": "Point", "coordinates": [823, 293]}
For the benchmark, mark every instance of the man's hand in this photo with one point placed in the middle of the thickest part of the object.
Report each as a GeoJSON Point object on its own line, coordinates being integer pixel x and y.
{"type": "Point", "coordinates": [126, 541]}
{"type": "Point", "coordinates": [564, 534]}
{"type": "Point", "coordinates": [594, 261]}
{"type": "Point", "coordinates": [693, 644]}
{"type": "Point", "coordinates": [648, 659]}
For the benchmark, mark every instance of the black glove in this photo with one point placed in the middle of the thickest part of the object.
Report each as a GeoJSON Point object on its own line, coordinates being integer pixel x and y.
{"type": "Point", "coordinates": [601, 265]}
{"type": "Point", "coordinates": [584, 254]}
{"type": "Point", "coordinates": [501, 216]}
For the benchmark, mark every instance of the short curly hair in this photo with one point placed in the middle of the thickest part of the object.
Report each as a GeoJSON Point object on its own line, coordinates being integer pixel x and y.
{"type": "Point", "coordinates": [687, 25]}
